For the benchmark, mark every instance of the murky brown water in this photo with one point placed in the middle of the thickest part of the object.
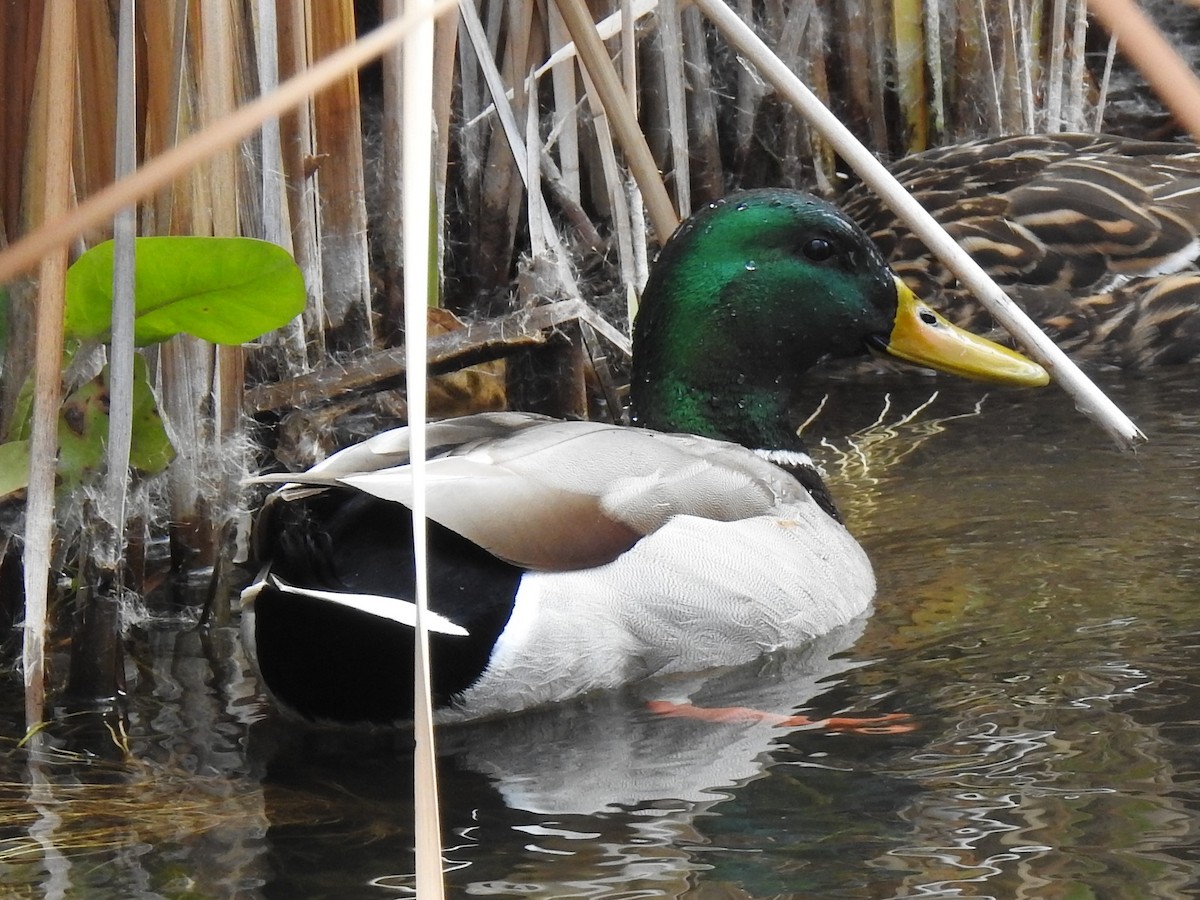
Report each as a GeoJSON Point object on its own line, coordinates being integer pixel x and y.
{"type": "Point", "coordinates": [1038, 619]}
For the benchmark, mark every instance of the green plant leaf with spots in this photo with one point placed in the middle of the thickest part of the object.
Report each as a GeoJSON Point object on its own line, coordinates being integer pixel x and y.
{"type": "Point", "coordinates": [223, 290]}
{"type": "Point", "coordinates": [83, 434]}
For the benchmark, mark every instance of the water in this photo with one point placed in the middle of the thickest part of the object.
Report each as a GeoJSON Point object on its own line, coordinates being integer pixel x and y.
{"type": "Point", "coordinates": [1036, 625]}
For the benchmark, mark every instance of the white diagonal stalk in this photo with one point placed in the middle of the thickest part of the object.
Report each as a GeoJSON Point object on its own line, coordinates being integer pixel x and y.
{"type": "Point", "coordinates": [417, 169]}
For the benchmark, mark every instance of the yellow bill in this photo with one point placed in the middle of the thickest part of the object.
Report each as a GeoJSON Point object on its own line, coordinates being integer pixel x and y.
{"type": "Point", "coordinates": [923, 337]}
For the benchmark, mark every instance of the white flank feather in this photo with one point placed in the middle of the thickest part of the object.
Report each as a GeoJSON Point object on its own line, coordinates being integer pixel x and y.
{"type": "Point", "coordinates": [391, 608]}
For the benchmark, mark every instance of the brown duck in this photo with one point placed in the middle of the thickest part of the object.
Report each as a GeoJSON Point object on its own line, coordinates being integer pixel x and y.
{"type": "Point", "coordinates": [1097, 237]}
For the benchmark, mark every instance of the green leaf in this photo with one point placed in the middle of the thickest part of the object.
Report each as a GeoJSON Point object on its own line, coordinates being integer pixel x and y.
{"type": "Point", "coordinates": [14, 467]}
{"type": "Point", "coordinates": [150, 450]}
{"type": "Point", "coordinates": [224, 290]}
{"type": "Point", "coordinates": [3, 324]}
{"type": "Point", "coordinates": [83, 429]}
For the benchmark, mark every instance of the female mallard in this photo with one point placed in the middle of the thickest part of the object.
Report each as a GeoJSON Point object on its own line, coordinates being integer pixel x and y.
{"type": "Point", "coordinates": [1097, 237]}
{"type": "Point", "coordinates": [571, 556]}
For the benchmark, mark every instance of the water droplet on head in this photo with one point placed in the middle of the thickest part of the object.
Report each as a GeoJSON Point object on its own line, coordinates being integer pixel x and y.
{"type": "Point", "coordinates": [743, 205]}
{"type": "Point", "coordinates": [751, 265]}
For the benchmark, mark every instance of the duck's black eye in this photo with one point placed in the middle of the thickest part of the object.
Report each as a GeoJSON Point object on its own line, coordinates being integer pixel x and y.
{"type": "Point", "coordinates": [817, 249]}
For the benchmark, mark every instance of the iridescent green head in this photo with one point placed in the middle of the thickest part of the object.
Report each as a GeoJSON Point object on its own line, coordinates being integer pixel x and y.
{"type": "Point", "coordinates": [753, 291]}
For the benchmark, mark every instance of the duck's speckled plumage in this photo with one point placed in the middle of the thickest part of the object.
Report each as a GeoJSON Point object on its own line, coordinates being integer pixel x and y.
{"type": "Point", "coordinates": [1096, 236]}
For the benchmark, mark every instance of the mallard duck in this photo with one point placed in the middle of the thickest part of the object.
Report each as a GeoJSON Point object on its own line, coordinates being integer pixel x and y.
{"type": "Point", "coordinates": [1096, 236]}
{"type": "Point", "coordinates": [570, 556]}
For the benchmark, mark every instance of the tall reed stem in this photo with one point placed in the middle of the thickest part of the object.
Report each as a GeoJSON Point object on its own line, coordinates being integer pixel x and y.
{"type": "Point", "coordinates": [58, 82]}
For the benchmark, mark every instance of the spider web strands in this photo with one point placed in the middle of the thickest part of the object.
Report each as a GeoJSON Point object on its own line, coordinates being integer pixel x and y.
{"type": "Point", "coordinates": [1088, 398]}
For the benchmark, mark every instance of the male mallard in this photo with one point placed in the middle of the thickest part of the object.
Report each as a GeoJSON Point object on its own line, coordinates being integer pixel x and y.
{"type": "Point", "coordinates": [1096, 236]}
{"type": "Point", "coordinates": [571, 556]}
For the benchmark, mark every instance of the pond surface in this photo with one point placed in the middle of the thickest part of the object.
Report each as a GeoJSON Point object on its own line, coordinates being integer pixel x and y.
{"type": "Point", "coordinates": [1037, 631]}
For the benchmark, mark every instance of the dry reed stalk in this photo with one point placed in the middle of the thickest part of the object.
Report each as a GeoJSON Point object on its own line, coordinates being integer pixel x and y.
{"type": "Point", "coordinates": [1054, 87]}
{"type": "Point", "coordinates": [287, 342]}
{"type": "Point", "coordinates": [621, 116]}
{"type": "Point", "coordinates": [342, 213]}
{"type": "Point", "coordinates": [1077, 84]}
{"type": "Point", "coordinates": [181, 207]}
{"type": "Point", "coordinates": [499, 195]}
{"type": "Point", "coordinates": [55, 97]}
{"type": "Point", "coordinates": [993, 104]}
{"type": "Point", "coordinates": [223, 84]}
{"type": "Point", "coordinates": [19, 40]}
{"type": "Point", "coordinates": [671, 35]}
{"type": "Point", "coordinates": [856, 30]}
{"type": "Point", "coordinates": [1102, 99]}
{"type": "Point", "coordinates": [97, 97]}
{"type": "Point", "coordinates": [538, 214]}
{"type": "Point", "coordinates": [389, 241]}
{"type": "Point", "coordinates": [165, 26]}
{"type": "Point", "coordinates": [1024, 62]}
{"type": "Point", "coordinates": [274, 224]}
{"type": "Point", "coordinates": [186, 372]}
{"type": "Point", "coordinates": [445, 54]}
{"type": "Point", "coordinates": [932, 23]}
{"type": "Point", "coordinates": [248, 156]}
{"type": "Point", "coordinates": [206, 203]}
{"type": "Point", "coordinates": [566, 101]}
{"type": "Point", "coordinates": [1008, 68]}
{"type": "Point", "coordinates": [218, 98]}
{"type": "Point", "coordinates": [121, 352]}
{"type": "Point", "coordinates": [909, 42]}
{"type": "Point", "coordinates": [815, 49]}
{"type": "Point", "coordinates": [517, 149]}
{"type": "Point", "coordinates": [636, 205]}
{"type": "Point", "coordinates": [879, 43]}
{"type": "Point", "coordinates": [299, 156]}
{"type": "Point", "coordinates": [618, 196]}
{"type": "Point", "coordinates": [708, 173]}
{"type": "Point", "coordinates": [749, 94]}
